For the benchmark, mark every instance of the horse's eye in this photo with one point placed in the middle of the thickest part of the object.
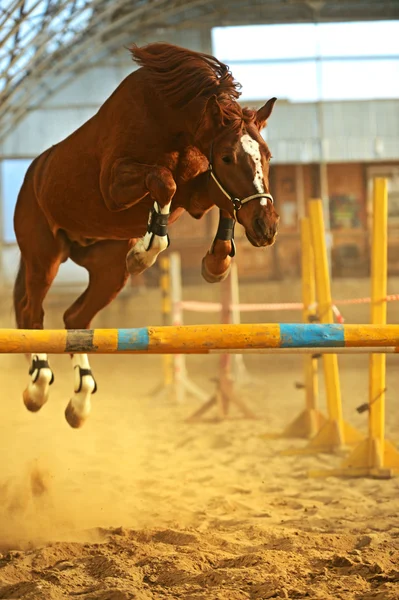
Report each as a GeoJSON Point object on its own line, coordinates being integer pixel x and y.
{"type": "Point", "coordinates": [227, 160]}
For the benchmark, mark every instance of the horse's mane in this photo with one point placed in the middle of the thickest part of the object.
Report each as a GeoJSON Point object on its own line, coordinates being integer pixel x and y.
{"type": "Point", "coordinates": [182, 75]}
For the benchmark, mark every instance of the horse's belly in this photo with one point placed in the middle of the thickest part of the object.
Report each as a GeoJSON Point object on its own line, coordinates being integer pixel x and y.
{"type": "Point", "coordinates": [114, 226]}
{"type": "Point", "coordinates": [123, 225]}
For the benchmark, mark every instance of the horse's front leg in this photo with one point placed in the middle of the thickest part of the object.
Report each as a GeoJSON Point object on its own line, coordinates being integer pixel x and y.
{"type": "Point", "coordinates": [216, 262]}
{"type": "Point", "coordinates": [126, 183]}
{"type": "Point", "coordinates": [162, 187]}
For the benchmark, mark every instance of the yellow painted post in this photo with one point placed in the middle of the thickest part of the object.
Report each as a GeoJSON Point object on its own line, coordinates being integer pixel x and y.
{"type": "Point", "coordinates": [376, 456]}
{"type": "Point", "coordinates": [335, 433]}
{"type": "Point", "coordinates": [379, 273]}
{"type": "Point", "coordinates": [165, 389]}
{"type": "Point", "coordinates": [308, 423]}
{"type": "Point", "coordinates": [325, 313]}
{"type": "Point", "coordinates": [309, 312]}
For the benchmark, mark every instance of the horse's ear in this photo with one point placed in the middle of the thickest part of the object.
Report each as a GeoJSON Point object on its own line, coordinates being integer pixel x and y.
{"type": "Point", "coordinates": [264, 113]}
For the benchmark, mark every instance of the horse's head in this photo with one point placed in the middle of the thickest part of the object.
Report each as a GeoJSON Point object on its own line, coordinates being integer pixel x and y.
{"type": "Point", "coordinates": [239, 165]}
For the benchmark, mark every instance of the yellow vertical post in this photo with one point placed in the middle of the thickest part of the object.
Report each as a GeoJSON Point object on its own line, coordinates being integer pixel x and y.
{"type": "Point", "coordinates": [308, 423]}
{"type": "Point", "coordinates": [308, 314]}
{"type": "Point", "coordinates": [376, 456]}
{"type": "Point", "coordinates": [165, 388]}
{"type": "Point", "coordinates": [330, 361]}
{"type": "Point", "coordinates": [335, 433]}
{"type": "Point", "coordinates": [379, 272]}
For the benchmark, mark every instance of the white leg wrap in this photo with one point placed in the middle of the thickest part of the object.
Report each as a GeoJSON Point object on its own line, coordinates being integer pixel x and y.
{"type": "Point", "coordinates": [36, 394]}
{"type": "Point", "coordinates": [79, 406]}
{"type": "Point", "coordinates": [147, 248]}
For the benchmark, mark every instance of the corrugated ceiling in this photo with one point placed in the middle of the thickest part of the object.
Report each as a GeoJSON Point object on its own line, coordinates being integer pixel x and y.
{"type": "Point", "coordinates": [44, 43]}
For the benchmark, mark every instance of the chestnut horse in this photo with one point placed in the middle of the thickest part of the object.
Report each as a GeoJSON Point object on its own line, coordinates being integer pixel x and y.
{"type": "Point", "coordinates": [172, 137]}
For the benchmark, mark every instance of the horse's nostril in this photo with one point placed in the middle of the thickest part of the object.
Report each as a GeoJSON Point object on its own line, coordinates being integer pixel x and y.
{"type": "Point", "coordinates": [263, 229]}
{"type": "Point", "coordinates": [260, 227]}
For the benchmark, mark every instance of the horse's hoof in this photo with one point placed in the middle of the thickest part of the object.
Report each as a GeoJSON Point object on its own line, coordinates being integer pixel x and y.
{"type": "Point", "coordinates": [211, 277]}
{"type": "Point", "coordinates": [72, 417]}
{"type": "Point", "coordinates": [30, 403]}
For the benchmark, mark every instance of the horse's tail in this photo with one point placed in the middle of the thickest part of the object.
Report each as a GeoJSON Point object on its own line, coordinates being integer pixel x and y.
{"type": "Point", "coordinates": [19, 290]}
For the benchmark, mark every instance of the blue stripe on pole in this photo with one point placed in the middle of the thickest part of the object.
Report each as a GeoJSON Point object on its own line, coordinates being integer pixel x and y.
{"type": "Point", "coordinates": [133, 339]}
{"type": "Point", "coordinates": [312, 335]}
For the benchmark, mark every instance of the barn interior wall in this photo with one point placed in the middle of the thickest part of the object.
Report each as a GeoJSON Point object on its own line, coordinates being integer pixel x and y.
{"type": "Point", "coordinates": [292, 184]}
{"type": "Point", "coordinates": [356, 135]}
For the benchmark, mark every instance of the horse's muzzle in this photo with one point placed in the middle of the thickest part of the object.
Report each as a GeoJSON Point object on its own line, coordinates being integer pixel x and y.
{"type": "Point", "coordinates": [263, 233]}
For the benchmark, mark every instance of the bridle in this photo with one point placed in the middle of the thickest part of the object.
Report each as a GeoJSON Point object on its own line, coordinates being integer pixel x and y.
{"type": "Point", "coordinates": [237, 202]}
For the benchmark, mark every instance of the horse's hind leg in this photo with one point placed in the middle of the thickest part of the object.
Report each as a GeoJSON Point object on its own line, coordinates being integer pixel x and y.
{"type": "Point", "coordinates": [105, 262]}
{"type": "Point", "coordinates": [41, 256]}
{"type": "Point", "coordinates": [39, 272]}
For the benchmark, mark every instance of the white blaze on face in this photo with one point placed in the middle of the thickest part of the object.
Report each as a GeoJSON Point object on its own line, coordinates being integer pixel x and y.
{"type": "Point", "coordinates": [251, 147]}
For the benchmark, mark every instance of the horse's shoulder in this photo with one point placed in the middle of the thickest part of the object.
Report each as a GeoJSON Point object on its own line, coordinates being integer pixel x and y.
{"type": "Point", "coordinates": [192, 163]}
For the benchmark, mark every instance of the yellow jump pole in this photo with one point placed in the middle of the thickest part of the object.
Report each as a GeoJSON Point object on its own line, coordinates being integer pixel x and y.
{"type": "Point", "coordinates": [205, 339]}
{"type": "Point", "coordinates": [310, 420]}
{"type": "Point", "coordinates": [376, 456]}
{"type": "Point", "coordinates": [335, 433]}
